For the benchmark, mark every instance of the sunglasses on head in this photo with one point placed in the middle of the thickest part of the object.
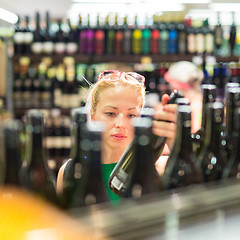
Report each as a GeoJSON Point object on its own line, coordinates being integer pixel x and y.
{"type": "Point", "coordinates": [114, 75]}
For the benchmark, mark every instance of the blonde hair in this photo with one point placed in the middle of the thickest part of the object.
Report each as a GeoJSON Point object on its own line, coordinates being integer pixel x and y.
{"type": "Point", "coordinates": [99, 86]}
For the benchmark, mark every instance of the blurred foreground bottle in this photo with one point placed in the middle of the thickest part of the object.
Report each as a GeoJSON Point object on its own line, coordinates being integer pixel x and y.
{"type": "Point", "coordinates": [211, 160]}
{"type": "Point", "coordinates": [12, 150]}
{"type": "Point", "coordinates": [35, 174]}
{"type": "Point", "coordinates": [182, 168]}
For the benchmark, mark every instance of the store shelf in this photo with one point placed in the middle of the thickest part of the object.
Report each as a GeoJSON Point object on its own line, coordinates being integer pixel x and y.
{"type": "Point", "coordinates": [134, 58]}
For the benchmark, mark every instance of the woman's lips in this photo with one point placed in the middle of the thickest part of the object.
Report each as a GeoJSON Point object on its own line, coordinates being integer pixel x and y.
{"type": "Point", "coordinates": [119, 137]}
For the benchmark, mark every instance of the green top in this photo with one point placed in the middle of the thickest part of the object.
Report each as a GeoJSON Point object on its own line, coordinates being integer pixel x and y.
{"type": "Point", "coordinates": [106, 171]}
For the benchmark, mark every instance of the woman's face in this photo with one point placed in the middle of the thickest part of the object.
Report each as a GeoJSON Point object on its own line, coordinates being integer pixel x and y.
{"type": "Point", "coordinates": [116, 107]}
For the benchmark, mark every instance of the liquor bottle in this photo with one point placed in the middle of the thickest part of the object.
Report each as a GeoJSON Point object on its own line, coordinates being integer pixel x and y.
{"type": "Point", "coordinates": [209, 38]}
{"type": "Point", "coordinates": [232, 37]}
{"type": "Point", "coordinates": [82, 43]}
{"type": "Point", "coordinates": [27, 37]}
{"type": "Point", "coordinates": [118, 37]}
{"type": "Point", "coordinates": [74, 166]}
{"type": "Point", "coordinates": [37, 45]}
{"type": "Point", "coordinates": [164, 35]}
{"type": "Point", "coordinates": [90, 37]}
{"type": "Point", "coordinates": [121, 169]}
{"type": "Point", "coordinates": [109, 34]}
{"type": "Point", "coordinates": [71, 44]}
{"type": "Point", "coordinates": [35, 175]}
{"type": "Point", "coordinates": [208, 96]}
{"type": "Point", "coordinates": [232, 169]}
{"type": "Point", "coordinates": [234, 75]}
{"type": "Point", "coordinates": [12, 150]}
{"type": "Point", "coordinates": [211, 160]}
{"type": "Point", "coordinates": [181, 168]}
{"type": "Point", "coordinates": [127, 37]}
{"type": "Point", "coordinates": [88, 185]}
{"type": "Point", "coordinates": [155, 35]}
{"type": "Point", "coordinates": [35, 86]}
{"type": "Point", "coordinates": [200, 37]}
{"type": "Point", "coordinates": [58, 85]}
{"type": "Point", "coordinates": [191, 40]}
{"type": "Point", "coordinates": [141, 175]}
{"type": "Point", "coordinates": [18, 37]}
{"type": "Point", "coordinates": [26, 87]}
{"type": "Point", "coordinates": [48, 44]}
{"type": "Point", "coordinates": [99, 38]}
{"type": "Point", "coordinates": [136, 38]}
{"type": "Point", "coordinates": [218, 32]}
{"type": "Point", "coordinates": [60, 41]}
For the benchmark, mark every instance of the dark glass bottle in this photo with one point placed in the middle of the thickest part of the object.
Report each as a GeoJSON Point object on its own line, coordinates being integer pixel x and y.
{"type": "Point", "coordinates": [73, 168]}
{"type": "Point", "coordinates": [182, 37]}
{"type": "Point", "coordinates": [218, 34]}
{"type": "Point", "coordinates": [181, 168]}
{"type": "Point", "coordinates": [208, 96]}
{"type": "Point", "coordinates": [12, 149]}
{"type": "Point", "coordinates": [48, 44]}
{"type": "Point", "coordinates": [35, 174]}
{"type": "Point", "coordinates": [142, 176]}
{"type": "Point", "coordinates": [18, 37]}
{"type": "Point", "coordinates": [210, 158]}
{"type": "Point", "coordinates": [232, 169]}
{"type": "Point", "coordinates": [71, 43]}
{"type": "Point", "coordinates": [60, 41]}
{"type": "Point", "coordinates": [127, 37]}
{"type": "Point", "coordinates": [109, 34]}
{"type": "Point", "coordinates": [88, 182]}
{"type": "Point", "coordinates": [164, 35]}
{"type": "Point", "coordinates": [82, 43]}
{"type": "Point", "coordinates": [28, 37]}
{"type": "Point", "coordinates": [127, 159]}
{"type": "Point", "coordinates": [37, 45]}
{"type": "Point", "coordinates": [118, 37]}
{"type": "Point", "coordinates": [172, 38]}
{"type": "Point", "coordinates": [232, 37]}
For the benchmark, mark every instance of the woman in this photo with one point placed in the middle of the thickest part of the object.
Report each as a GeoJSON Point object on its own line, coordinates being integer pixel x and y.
{"type": "Point", "coordinates": [115, 99]}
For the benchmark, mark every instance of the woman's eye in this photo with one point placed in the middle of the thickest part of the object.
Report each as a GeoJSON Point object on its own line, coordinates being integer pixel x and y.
{"type": "Point", "coordinates": [131, 115]}
{"type": "Point", "coordinates": [110, 114]}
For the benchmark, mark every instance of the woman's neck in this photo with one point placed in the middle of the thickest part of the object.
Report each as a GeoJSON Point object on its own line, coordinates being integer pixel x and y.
{"type": "Point", "coordinates": [111, 156]}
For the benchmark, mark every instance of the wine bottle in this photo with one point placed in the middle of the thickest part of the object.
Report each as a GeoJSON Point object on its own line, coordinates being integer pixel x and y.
{"type": "Point", "coordinates": [118, 37]}
{"type": "Point", "coordinates": [73, 168]}
{"type": "Point", "coordinates": [218, 32]}
{"type": "Point", "coordinates": [181, 168]}
{"type": "Point", "coordinates": [182, 36]}
{"type": "Point", "coordinates": [136, 38]}
{"type": "Point", "coordinates": [27, 36]}
{"type": "Point", "coordinates": [121, 171]}
{"type": "Point", "coordinates": [211, 160]}
{"type": "Point", "coordinates": [232, 37]}
{"type": "Point", "coordinates": [35, 174]}
{"type": "Point", "coordinates": [88, 187]}
{"type": "Point", "coordinates": [164, 35]}
{"type": "Point", "coordinates": [48, 44]}
{"type": "Point", "coordinates": [208, 96]}
{"type": "Point", "coordinates": [89, 37]}
{"type": "Point", "coordinates": [109, 34]}
{"type": "Point", "coordinates": [155, 35]}
{"type": "Point", "coordinates": [71, 43]}
{"type": "Point", "coordinates": [142, 177]}
{"type": "Point", "coordinates": [60, 43]}
{"type": "Point", "coordinates": [18, 37]}
{"type": "Point", "coordinates": [127, 37]}
{"type": "Point", "coordinates": [172, 38]}
{"type": "Point", "coordinates": [12, 150]}
{"type": "Point", "coordinates": [37, 45]}
{"type": "Point", "coordinates": [99, 38]}
{"type": "Point", "coordinates": [232, 169]}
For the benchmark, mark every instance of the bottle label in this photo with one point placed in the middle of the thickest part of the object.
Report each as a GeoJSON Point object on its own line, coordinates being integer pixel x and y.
{"type": "Point", "coordinates": [28, 37]}
{"type": "Point", "coordinates": [18, 37]}
{"type": "Point", "coordinates": [117, 183]}
{"type": "Point", "coordinates": [57, 97]}
{"type": "Point", "coordinates": [71, 47]}
{"type": "Point", "coordinates": [60, 48]}
{"type": "Point", "coordinates": [209, 43]}
{"type": "Point", "coordinates": [48, 47]}
{"type": "Point", "coordinates": [191, 43]}
{"type": "Point", "coordinates": [37, 47]}
{"type": "Point", "coordinates": [67, 142]}
{"type": "Point", "coordinates": [200, 43]}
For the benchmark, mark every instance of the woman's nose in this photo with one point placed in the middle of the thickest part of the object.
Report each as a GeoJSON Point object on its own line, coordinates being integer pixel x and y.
{"type": "Point", "coordinates": [120, 121]}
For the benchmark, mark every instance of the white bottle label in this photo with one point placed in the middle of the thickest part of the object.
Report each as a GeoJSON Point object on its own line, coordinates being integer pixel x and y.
{"type": "Point", "coordinates": [28, 37]}
{"type": "Point", "coordinates": [37, 47]}
{"type": "Point", "coordinates": [18, 37]}
{"type": "Point", "coordinates": [60, 48]}
{"type": "Point", "coordinates": [71, 48]}
{"type": "Point", "coordinates": [48, 47]}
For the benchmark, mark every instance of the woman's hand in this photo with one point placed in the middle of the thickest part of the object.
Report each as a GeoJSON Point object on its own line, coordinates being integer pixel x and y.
{"type": "Point", "coordinates": [166, 116]}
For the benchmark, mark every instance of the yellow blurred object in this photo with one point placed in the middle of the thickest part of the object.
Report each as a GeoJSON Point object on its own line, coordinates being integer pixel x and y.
{"type": "Point", "coordinates": [24, 216]}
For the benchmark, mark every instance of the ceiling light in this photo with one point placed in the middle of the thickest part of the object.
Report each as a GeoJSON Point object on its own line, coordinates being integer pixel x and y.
{"type": "Point", "coordinates": [8, 16]}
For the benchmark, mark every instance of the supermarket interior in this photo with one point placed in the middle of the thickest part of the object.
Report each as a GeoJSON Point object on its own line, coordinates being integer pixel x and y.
{"type": "Point", "coordinates": [74, 166]}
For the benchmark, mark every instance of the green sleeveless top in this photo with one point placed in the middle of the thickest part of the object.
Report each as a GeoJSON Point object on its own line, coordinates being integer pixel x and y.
{"type": "Point", "coordinates": [106, 171]}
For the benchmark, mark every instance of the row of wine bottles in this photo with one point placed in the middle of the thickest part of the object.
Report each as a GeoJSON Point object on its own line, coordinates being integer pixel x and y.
{"type": "Point", "coordinates": [158, 36]}
{"type": "Point", "coordinates": [211, 154]}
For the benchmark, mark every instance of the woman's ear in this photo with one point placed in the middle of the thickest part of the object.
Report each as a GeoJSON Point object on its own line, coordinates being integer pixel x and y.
{"type": "Point", "coordinates": [92, 115]}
